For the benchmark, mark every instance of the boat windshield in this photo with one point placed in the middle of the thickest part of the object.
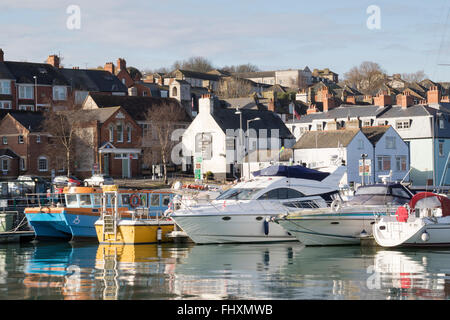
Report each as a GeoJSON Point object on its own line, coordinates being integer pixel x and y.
{"type": "Point", "coordinates": [380, 190]}
{"type": "Point", "coordinates": [239, 194]}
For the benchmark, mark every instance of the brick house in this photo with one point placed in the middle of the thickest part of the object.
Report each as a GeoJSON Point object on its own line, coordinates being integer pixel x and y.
{"type": "Point", "coordinates": [21, 135]}
{"type": "Point", "coordinates": [114, 140]}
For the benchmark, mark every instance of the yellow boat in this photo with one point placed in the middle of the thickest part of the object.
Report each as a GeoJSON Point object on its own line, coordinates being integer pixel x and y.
{"type": "Point", "coordinates": [141, 229]}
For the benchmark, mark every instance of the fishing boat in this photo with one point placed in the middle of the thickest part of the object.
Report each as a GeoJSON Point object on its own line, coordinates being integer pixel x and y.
{"type": "Point", "coordinates": [424, 221]}
{"type": "Point", "coordinates": [111, 228]}
{"type": "Point", "coordinates": [243, 213]}
{"type": "Point", "coordinates": [72, 214]}
{"type": "Point", "coordinates": [345, 222]}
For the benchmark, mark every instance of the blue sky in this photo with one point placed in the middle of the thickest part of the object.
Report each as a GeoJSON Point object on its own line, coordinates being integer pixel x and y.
{"type": "Point", "coordinates": [414, 35]}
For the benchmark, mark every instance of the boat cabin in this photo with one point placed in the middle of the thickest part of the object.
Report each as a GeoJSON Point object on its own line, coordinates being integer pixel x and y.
{"type": "Point", "coordinates": [374, 194]}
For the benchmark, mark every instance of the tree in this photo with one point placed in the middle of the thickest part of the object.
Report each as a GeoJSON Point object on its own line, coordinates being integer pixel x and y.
{"type": "Point", "coordinates": [199, 64]}
{"type": "Point", "coordinates": [232, 87]}
{"type": "Point", "coordinates": [241, 68]}
{"type": "Point", "coordinates": [367, 78]}
{"type": "Point", "coordinates": [415, 76]}
{"type": "Point", "coordinates": [61, 125]}
{"type": "Point", "coordinates": [163, 119]}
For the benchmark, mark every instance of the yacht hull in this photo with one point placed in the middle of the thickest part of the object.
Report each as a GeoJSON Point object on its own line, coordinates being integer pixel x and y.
{"type": "Point", "coordinates": [205, 229]}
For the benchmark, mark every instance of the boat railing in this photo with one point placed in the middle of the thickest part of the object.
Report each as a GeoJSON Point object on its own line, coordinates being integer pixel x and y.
{"type": "Point", "coordinates": [41, 200]}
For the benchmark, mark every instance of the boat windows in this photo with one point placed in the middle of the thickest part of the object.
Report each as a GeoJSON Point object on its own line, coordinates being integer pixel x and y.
{"type": "Point", "coordinates": [125, 199]}
{"type": "Point", "coordinates": [399, 192]}
{"type": "Point", "coordinates": [380, 190]}
{"type": "Point", "coordinates": [71, 200]}
{"type": "Point", "coordinates": [259, 218]}
{"type": "Point", "coordinates": [306, 204]}
{"type": "Point", "coordinates": [97, 199]}
{"type": "Point", "coordinates": [165, 200]}
{"type": "Point", "coordinates": [143, 198]}
{"type": "Point", "coordinates": [226, 218]}
{"type": "Point", "coordinates": [85, 199]}
{"type": "Point", "coordinates": [154, 200]}
{"type": "Point", "coordinates": [239, 194]}
{"type": "Point", "coordinates": [281, 193]}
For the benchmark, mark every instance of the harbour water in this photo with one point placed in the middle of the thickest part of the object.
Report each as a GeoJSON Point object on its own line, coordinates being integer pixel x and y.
{"type": "Point", "coordinates": [287, 271]}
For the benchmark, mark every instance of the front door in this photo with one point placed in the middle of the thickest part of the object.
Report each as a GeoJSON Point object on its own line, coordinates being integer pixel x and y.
{"type": "Point", "coordinates": [126, 168]}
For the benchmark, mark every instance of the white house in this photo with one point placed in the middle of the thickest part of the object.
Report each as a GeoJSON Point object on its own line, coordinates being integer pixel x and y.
{"type": "Point", "coordinates": [382, 146]}
{"type": "Point", "coordinates": [214, 142]}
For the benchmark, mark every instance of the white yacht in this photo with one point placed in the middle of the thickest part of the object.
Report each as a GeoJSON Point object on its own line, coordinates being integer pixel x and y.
{"type": "Point", "coordinates": [244, 212]}
{"type": "Point", "coordinates": [345, 222]}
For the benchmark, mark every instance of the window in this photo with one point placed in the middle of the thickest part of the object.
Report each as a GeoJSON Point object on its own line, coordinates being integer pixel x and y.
{"type": "Point", "coordinates": [42, 164]}
{"type": "Point", "coordinates": [5, 163]}
{"type": "Point", "coordinates": [360, 144]}
{"type": "Point", "coordinates": [390, 142]}
{"type": "Point", "coordinates": [174, 92]}
{"type": "Point", "coordinates": [5, 87]}
{"type": "Point", "coordinates": [119, 132]}
{"type": "Point", "coordinates": [441, 123]}
{"type": "Point", "coordinates": [5, 104]}
{"type": "Point", "coordinates": [403, 124]}
{"type": "Point", "coordinates": [59, 93]}
{"type": "Point", "coordinates": [22, 164]}
{"type": "Point", "coordinates": [281, 193]}
{"type": "Point", "coordinates": [238, 194]}
{"type": "Point", "coordinates": [441, 149]}
{"type": "Point", "coordinates": [26, 107]}
{"type": "Point", "coordinates": [145, 129]}
{"type": "Point", "coordinates": [20, 139]}
{"type": "Point", "coordinates": [85, 199]}
{"type": "Point", "coordinates": [38, 138]}
{"type": "Point", "coordinates": [125, 199]}
{"type": "Point", "coordinates": [97, 199]}
{"type": "Point", "coordinates": [5, 140]}
{"type": "Point", "coordinates": [111, 133]}
{"type": "Point", "coordinates": [165, 200]}
{"type": "Point", "coordinates": [384, 163]}
{"type": "Point", "coordinates": [400, 163]}
{"type": "Point", "coordinates": [123, 80]}
{"type": "Point", "coordinates": [128, 134]}
{"type": "Point", "coordinates": [367, 123]}
{"type": "Point", "coordinates": [154, 200]}
{"type": "Point", "coordinates": [71, 200]}
{"type": "Point", "coordinates": [26, 92]}
{"type": "Point", "coordinates": [319, 127]}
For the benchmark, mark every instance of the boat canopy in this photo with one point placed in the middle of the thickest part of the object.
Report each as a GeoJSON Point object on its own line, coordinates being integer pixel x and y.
{"type": "Point", "coordinates": [430, 200]}
{"type": "Point", "coordinates": [300, 172]}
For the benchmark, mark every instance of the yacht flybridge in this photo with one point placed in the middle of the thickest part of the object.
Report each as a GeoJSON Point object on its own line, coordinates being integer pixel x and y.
{"type": "Point", "coordinates": [244, 212]}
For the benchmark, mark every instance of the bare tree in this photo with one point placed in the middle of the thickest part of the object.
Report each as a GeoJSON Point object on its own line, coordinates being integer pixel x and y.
{"type": "Point", "coordinates": [367, 78]}
{"type": "Point", "coordinates": [241, 68]}
{"type": "Point", "coordinates": [163, 119]}
{"type": "Point", "coordinates": [199, 64]}
{"type": "Point", "coordinates": [414, 77]}
{"type": "Point", "coordinates": [232, 87]}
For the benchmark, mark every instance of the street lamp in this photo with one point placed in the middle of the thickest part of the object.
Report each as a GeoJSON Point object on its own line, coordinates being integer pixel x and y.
{"type": "Point", "coordinates": [248, 142]}
{"type": "Point", "coordinates": [241, 139]}
{"type": "Point", "coordinates": [35, 93]}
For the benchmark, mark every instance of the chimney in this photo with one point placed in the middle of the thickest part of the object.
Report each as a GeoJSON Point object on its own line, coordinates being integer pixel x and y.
{"type": "Point", "coordinates": [328, 101]}
{"type": "Point", "coordinates": [53, 60]}
{"type": "Point", "coordinates": [405, 100]}
{"type": "Point", "coordinates": [332, 125]}
{"type": "Point", "coordinates": [2, 55]}
{"type": "Point", "coordinates": [206, 104]}
{"type": "Point", "coordinates": [271, 105]}
{"type": "Point", "coordinates": [121, 64]}
{"type": "Point", "coordinates": [355, 123]}
{"type": "Point", "coordinates": [382, 99]}
{"type": "Point", "coordinates": [312, 109]}
{"type": "Point", "coordinates": [350, 100]}
{"type": "Point", "coordinates": [433, 95]}
{"type": "Point", "coordinates": [109, 66]}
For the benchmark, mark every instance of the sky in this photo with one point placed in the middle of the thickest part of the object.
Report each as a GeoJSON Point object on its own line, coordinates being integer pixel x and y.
{"type": "Point", "coordinates": [410, 35]}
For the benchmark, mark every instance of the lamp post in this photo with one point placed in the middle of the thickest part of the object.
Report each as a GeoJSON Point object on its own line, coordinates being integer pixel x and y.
{"type": "Point", "coordinates": [241, 139]}
{"type": "Point", "coordinates": [35, 93]}
{"type": "Point", "coordinates": [248, 142]}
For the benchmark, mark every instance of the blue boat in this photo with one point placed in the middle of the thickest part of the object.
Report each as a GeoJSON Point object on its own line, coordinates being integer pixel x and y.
{"type": "Point", "coordinates": [74, 216]}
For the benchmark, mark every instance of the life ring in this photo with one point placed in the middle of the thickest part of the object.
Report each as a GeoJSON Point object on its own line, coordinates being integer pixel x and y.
{"type": "Point", "coordinates": [135, 201]}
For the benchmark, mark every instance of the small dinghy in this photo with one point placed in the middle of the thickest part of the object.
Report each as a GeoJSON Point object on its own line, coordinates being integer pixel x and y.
{"type": "Point", "coordinates": [424, 221]}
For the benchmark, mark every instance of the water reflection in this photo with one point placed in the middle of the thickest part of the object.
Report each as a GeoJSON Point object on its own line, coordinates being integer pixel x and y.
{"type": "Point", "coordinates": [251, 271]}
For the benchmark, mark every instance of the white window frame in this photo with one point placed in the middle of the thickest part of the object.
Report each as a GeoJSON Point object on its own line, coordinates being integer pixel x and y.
{"type": "Point", "coordinates": [119, 132]}
{"type": "Point", "coordinates": [5, 86]}
{"type": "Point", "coordinates": [39, 163]}
{"type": "Point", "coordinates": [59, 93]}
{"type": "Point", "coordinates": [20, 139]}
{"type": "Point", "coordinates": [26, 107]}
{"type": "Point", "coordinates": [26, 91]}
{"type": "Point", "coordinates": [3, 104]}
{"type": "Point", "coordinates": [38, 138]}
{"type": "Point", "coordinates": [4, 140]}
{"type": "Point", "coordinates": [402, 124]}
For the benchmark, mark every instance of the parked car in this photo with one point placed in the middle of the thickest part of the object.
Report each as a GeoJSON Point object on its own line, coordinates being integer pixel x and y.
{"type": "Point", "coordinates": [98, 180]}
{"type": "Point", "coordinates": [66, 180]}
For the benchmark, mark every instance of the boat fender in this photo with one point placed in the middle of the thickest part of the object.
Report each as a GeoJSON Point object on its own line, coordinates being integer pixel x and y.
{"type": "Point", "coordinates": [336, 205]}
{"type": "Point", "coordinates": [425, 236]}
{"type": "Point", "coordinates": [159, 234]}
{"type": "Point", "coordinates": [266, 226]}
